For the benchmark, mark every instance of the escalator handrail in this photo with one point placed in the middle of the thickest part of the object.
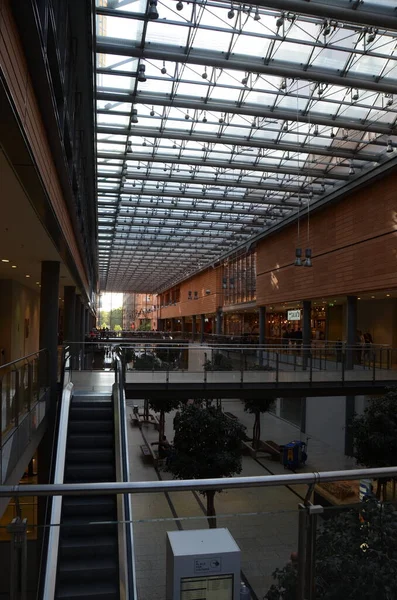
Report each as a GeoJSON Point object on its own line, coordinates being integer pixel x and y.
{"type": "Point", "coordinates": [131, 593]}
{"type": "Point", "coordinates": [55, 521]}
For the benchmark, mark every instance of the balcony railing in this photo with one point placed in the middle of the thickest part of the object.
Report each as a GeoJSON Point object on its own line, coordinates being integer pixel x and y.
{"type": "Point", "coordinates": [23, 394]}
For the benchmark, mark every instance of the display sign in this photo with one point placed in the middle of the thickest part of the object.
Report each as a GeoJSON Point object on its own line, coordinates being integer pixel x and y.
{"type": "Point", "coordinates": [294, 315]}
{"type": "Point", "coordinates": [215, 587]}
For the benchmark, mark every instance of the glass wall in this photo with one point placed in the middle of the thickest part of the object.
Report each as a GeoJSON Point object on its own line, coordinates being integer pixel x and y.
{"type": "Point", "coordinates": [239, 279]}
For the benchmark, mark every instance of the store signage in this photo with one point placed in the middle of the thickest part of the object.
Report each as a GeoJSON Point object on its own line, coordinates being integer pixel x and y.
{"type": "Point", "coordinates": [294, 315]}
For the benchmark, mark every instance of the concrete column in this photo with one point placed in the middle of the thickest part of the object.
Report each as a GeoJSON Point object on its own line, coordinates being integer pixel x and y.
{"type": "Point", "coordinates": [77, 329]}
{"type": "Point", "coordinates": [262, 324]}
{"type": "Point", "coordinates": [82, 322]}
{"type": "Point", "coordinates": [306, 331]}
{"type": "Point", "coordinates": [183, 326]}
{"type": "Point", "coordinates": [351, 330]}
{"type": "Point", "coordinates": [262, 331]}
{"type": "Point", "coordinates": [202, 326]}
{"type": "Point", "coordinates": [49, 321]}
{"type": "Point", "coordinates": [349, 414]}
{"type": "Point", "coordinates": [194, 326]}
{"type": "Point", "coordinates": [172, 325]}
{"type": "Point", "coordinates": [218, 323]}
{"type": "Point", "coordinates": [69, 312]}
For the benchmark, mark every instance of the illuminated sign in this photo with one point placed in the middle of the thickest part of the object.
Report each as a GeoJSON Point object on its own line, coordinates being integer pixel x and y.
{"type": "Point", "coordinates": [294, 315]}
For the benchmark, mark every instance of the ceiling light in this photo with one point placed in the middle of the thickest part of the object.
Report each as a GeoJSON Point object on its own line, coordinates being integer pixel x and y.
{"type": "Point", "coordinates": [358, 298]}
{"type": "Point", "coordinates": [204, 75]}
{"type": "Point", "coordinates": [163, 70]}
{"type": "Point", "coordinates": [141, 73]}
{"type": "Point", "coordinates": [37, 282]}
{"type": "Point", "coordinates": [389, 99]}
{"type": "Point", "coordinates": [298, 257]}
{"type": "Point", "coordinates": [13, 267]}
{"type": "Point", "coordinates": [283, 85]}
{"type": "Point", "coordinates": [174, 146]}
{"type": "Point", "coordinates": [257, 16]}
{"type": "Point", "coordinates": [221, 120]}
{"type": "Point", "coordinates": [372, 296]}
{"type": "Point", "coordinates": [332, 133]}
{"type": "Point", "coordinates": [144, 143]}
{"type": "Point", "coordinates": [204, 118]}
{"type": "Point", "coordinates": [387, 295]}
{"type": "Point", "coordinates": [230, 14]}
{"type": "Point", "coordinates": [244, 80]}
{"type": "Point", "coordinates": [152, 112]}
{"type": "Point", "coordinates": [280, 21]}
{"type": "Point", "coordinates": [308, 259]}
{"type": "Point", "coordinates": [129, 146]}
{"type": "Point", "coordinates": [326, 28]}
{"type": "Point", "coordinates": [187, 115]}
{"type": "Point", "coordinates": [179, 6]}
{"type": "Point", "coordinates": [371, 35]}
{"type": "Point", "coordinates": [355, 95]}
{"type": "Point", "coordinates": [134, 116]}
{"type": "Point", "coordinates": [389, 147]}
{"type": "Point", "coordinates": [152, 12]}
{"type": "Point", "coordinates": [27, 275]}
{"type": "Point", "coordinates": [5, 260]}
{"type": "Point", "coordinates": [351, 170]}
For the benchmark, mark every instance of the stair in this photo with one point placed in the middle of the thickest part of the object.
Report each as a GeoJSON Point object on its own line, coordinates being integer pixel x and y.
{"type": "Point", "coordinates": [88, 565]}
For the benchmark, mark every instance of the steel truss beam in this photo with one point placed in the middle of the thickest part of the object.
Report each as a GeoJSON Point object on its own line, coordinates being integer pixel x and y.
{"type": "Point", "coordinates": [221, 183]}
{"type": "Point", "coordinates": [175, 134]}
{"type": "Point", "coordinates": [204, 218]}
{"type": "Point", "coordinates": [210, 58]}
{"type": "Point", "coordinates": [208, 236]}
{"type": "Point", "coordinates": [229, 166]}
{"type": "Point", "coordinates": [187, 207]}
{"type": "Point", "coordinates": [279, 202]}
{"type": "Point", "coordinates": [341, 10]}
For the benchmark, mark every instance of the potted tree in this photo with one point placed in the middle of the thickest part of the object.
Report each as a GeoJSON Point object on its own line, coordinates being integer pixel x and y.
{"type": "Point", "coordinates": [257, 407]}
{"type": "Point", "coordinates": [206, 445]}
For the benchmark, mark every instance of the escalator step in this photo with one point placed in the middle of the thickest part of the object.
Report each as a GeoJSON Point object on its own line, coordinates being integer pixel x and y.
{"type": "Point", "coordinates": [82, 526]}
{"type": "Point", "coordinates": [90, 426]}
{"type": "Point", "coordinates": [89, 505]}
{"type": "Point", "coordinates": [100, 545]}
{"type": "Point", "coordinates": [104, 590]}
{"type": "Point", "coordinates": [87, 413]}
{"type": "Point", "coordinates": [90, 440]}
{"type": "Point", "coordinates": [89, 569]}
{"type": "Point", "coordinates": [95, 472]}
{"type": "Point", "coordinates": [91, 455]}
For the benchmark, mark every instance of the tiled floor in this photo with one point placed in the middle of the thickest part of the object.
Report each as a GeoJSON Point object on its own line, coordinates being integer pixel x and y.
{"type": "Point", "coordinates": [266, 535]}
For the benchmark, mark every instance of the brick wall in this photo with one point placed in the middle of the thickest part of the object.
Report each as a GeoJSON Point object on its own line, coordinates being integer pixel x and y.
{"type": "Point", "coordinates": [205, 304]}
{"type": "Point", "coordinates": [354, 246]}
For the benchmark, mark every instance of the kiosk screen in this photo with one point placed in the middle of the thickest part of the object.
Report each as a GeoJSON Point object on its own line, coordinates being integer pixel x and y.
{"type": "Point", "coordinates": [215, 587]}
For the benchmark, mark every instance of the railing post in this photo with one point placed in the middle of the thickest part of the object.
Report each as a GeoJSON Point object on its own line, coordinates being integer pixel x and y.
{"type": "Point", "coordinates": [18, 567]}
{"type": "Point", "coordinates": [302, 536]}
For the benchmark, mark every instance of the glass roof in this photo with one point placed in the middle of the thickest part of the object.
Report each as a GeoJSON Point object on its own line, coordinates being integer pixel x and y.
{"type": "Point", "coordinates": [217, 122]}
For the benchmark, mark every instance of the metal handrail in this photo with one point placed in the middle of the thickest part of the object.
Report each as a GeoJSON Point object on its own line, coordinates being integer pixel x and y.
{"type": "Point", "coordinates": [150, 487]}
{"type": "Point", "coordinates": [125, 472]}
{"type": "Point", "coordinates": [53, 541]}
{"type": "Point", "coordinates": [13, 362]}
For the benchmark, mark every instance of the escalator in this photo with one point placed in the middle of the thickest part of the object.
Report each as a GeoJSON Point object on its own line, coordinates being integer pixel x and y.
{"type": "Point", "coordinates": [88, 565]}
{"type": "Point", "coordinates": [89, 548]}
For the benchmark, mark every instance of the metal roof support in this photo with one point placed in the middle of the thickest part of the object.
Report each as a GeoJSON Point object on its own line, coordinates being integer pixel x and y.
{"type": "Point", "coordinates": [276, 68]}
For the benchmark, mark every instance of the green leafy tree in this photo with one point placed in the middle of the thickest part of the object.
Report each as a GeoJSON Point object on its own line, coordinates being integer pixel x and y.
{"type": "Point", "coordinates": [375, 435]}
{"type": "Point", "coordinates": [117, 327]}
{"type": "Point", "coordinates": [163, 406]}
{"type": "Point", "coordinates": [256, 407]}
{"type": "Point", "coordinates": [356, 558]}
{"type": "Point", "coordinates": [116, 318]}
{"type": "Point", "coordinates": [207, 445]}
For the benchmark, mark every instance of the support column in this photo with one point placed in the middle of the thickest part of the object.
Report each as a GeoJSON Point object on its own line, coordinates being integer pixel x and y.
{"type": "Point", "coordinates": [306, 331]}
{"type": "Point", "coordinates": [262, 332]}
{"type": "Point", "coordinates": [194, 326]}
{"type": "Point", "coordinates": [218, 324]}
{"type": "Point", "coordinates": [262, 325]}
{"type": "Point", "coordinates": [202, 326]}
{"type": "Point", "coordinates": [77, 332]}
{"type": "Point", "coordinates": [69, 308]}
{"type": "Point", "coordinates": [183, 326]}
{"type": "Point", "coordinates": [351, 331]}
{"type": "Point", "coordinates": [87, 327]}
{"type": "Point", "coordinates": [49, 320]}
{"type": "Point", "coordinates": [172, 325]}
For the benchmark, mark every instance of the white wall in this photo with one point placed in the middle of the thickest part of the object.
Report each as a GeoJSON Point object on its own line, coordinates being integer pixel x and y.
{"type": "Point", "coordinates": [325, 420]}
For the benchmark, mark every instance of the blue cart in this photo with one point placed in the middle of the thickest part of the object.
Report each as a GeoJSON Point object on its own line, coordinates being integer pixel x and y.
{"type": "Point", "coordinates": [294, 455]}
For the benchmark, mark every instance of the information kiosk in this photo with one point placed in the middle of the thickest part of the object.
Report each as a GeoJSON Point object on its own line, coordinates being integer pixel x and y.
{"type": "Point", "coordinates": [202, 564]}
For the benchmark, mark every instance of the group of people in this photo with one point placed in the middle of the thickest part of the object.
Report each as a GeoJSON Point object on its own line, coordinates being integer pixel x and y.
{"type": "Point", "coordinates": [292, 336]}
